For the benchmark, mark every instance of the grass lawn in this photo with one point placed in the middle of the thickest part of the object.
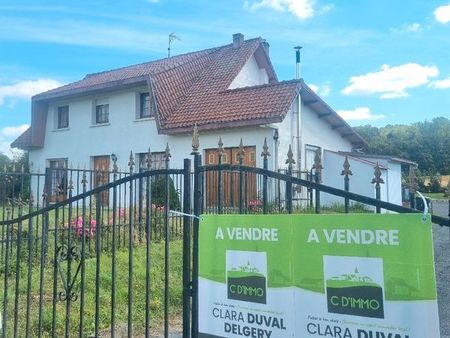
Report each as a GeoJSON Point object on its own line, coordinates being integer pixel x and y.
{"type": "Point", "coordinates": [105, 285]}
{"type": "Point", "coordinates": [436, 196]}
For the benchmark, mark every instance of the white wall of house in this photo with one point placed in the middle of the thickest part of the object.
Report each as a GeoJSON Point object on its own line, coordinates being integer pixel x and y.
{"type": "Point", "coordinates": [124, 133]}
{"type": "Point", "coordinates": [250, 75]}
{"type": "Point", "coordinates": [360, 181]}
{"type": "Point", "coordinates": [317, 132]}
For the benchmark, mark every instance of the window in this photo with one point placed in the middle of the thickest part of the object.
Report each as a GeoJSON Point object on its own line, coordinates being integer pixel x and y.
{"type": "Point", "coordinates": [58, 179]}
{"type": "Point", "coordinates": [63, 117]}
{"type": "Point", "coordinates": [101, 111]}
{"type": "Point", "coordinates": [144, 106]}
{"type": "Point", "coordinates": [310, 154]}
{"type": "Point", "coordinates": [158, 161]}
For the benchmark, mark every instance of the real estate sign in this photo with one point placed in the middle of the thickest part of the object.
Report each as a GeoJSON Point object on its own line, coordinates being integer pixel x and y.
{"type": "Point", "coordinates": [346, 276]}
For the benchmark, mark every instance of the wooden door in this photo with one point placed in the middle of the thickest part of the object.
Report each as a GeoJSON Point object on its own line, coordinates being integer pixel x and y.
{"type": "Point", "coordinates": [230, 180]}
{"type": "Point", "coordinates": [102, 163]}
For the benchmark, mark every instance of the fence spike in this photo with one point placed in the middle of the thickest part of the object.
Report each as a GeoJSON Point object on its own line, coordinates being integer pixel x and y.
{"type": "Point", "coordinates": [220, 149]}
{"type": "Point", "coordinates": [70, 186]}
{"type": "Point", "coordinates": [167, 154]}
{"type": "Point", "coordinates": [195, 140]}
{"type": "Point", "coordinates": [241, 152]}
{"type": "Point", "coordinates": [84, 179]}
{"type": "Point", "coordinates": [149, 159]}
{"type": "Point", "coordinates": [131, 161]}
{"type": "Point", "coordinates": [377, 176]}
{"type": "Point", "coordinates": [265, 153]}
{"type": "Point", "coordinates": [114, 160]}
{"type": "Point", "coordinates": [290, 157]}
{"type": "Point", "coordinates": [317, 162]}
{"type": "Point", "coordinates": [346, 166]}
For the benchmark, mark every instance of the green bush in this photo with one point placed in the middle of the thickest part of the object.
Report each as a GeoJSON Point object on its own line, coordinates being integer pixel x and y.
{"type": "Point", "coordinates": [158, 193]}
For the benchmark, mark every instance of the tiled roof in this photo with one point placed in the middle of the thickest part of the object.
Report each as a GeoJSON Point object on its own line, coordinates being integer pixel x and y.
{"type": "Point", "coordinates": [23, 141]}
{"type": "Point", "coordinates": [268, 103]}
{"type": "Point", "coordinates": [139, 71]}
{"type": "Point", "coordinates": [188, 89]}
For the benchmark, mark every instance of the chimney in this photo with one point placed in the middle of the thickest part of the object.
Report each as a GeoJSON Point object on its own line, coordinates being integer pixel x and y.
{"type": "Point", "coordinates": [266, 46]}
{"type": "Point", "coordinates": [238, 40]}
{"type": "Point", "coordinates": [298, 73]}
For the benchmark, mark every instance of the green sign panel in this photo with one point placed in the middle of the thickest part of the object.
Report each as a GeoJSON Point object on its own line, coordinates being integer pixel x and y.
{"type": "Point", "coordinates": [345, 276]}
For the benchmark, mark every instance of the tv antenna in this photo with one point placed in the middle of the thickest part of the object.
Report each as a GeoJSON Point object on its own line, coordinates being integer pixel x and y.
{"type": "Point", "coordinates": [172, 37]}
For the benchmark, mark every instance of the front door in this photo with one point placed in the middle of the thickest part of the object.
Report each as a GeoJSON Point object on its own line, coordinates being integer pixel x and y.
{"type": "Point", "coordinates": [101, 163]}
{"type": "Point", "coordinates": [230, 180]}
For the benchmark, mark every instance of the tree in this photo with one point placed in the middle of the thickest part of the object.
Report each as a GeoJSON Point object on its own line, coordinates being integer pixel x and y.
{"type": "Point", "coordinates": [427, 143]}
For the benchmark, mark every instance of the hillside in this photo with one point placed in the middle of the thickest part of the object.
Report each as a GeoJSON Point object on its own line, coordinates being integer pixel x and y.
{"type": "Point", "coordinates": [427, 143]}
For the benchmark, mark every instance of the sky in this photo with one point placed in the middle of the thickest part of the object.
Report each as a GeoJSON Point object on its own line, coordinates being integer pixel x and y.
{"type": "Point", "coordinates": [374, 62]}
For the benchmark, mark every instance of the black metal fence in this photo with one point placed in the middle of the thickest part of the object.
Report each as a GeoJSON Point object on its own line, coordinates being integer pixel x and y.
{"type": "Point", "coordinates": [117, 257]}
{"type": "Point", "coordinates": [104, 262]}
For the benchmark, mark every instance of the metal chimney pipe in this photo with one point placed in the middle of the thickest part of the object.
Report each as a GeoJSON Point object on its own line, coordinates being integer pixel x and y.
{"type": "Point", "coordinates": [297, 62]}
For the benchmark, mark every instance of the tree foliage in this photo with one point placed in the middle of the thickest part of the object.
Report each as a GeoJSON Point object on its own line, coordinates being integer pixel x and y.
{"type": "Point", "coordinates": [427, 143]}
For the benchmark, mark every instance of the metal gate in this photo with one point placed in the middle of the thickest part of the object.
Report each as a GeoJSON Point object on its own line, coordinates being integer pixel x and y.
{"type": "Point", "coordinates": [119, 257]}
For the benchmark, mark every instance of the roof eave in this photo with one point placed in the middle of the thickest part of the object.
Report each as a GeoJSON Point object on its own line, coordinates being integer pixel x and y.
{"type": "Point", "coordinates": [355, 138]}
{"type": "Point", "coordinates": [223, 125]}
{"type": "Point", "coordinates": [91, 90]}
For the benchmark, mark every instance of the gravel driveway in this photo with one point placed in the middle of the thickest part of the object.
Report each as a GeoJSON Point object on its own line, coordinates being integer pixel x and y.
{"type": "Point", "coordinates": [441, 239]}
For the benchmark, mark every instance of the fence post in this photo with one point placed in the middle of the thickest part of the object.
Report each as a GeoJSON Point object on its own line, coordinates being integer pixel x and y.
{"type": "Point", "coordinates": [141, 201]}
{"type": "Point", "coordinates": [219, 177]}
{"type": "Point", "coordinates": [187, 291]}
{"type": "Point", "coordinates": [115, 169]}
{"type": "Point", "coordinates": [197, 210]}
{"type": "Point", "coordinates": [6, 271]}
{"type": "Point", "coordinates": [377, 180]}
{"type": "Point", "coordinates": [290, 162]}
{"type": "Point", "coordinates": [412, 183]}
{"type": "Point", "coordinates": [317, 177]}
{"type": "Point", "coordinates": [346, 172]}
{"type": "Point", "coordinates": [167, 157]}
{"type": "Point", "coordinates": [241, 156]}
{"type": "Point", "coordinates": [131, 164]}
{"type": "Point", "coordinates": [265, 155]}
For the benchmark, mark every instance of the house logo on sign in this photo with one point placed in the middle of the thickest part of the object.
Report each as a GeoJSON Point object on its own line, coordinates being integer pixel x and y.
{"type": "Point", "coordinates": [352, 292]}
{"type": "Point", "coordinates": [247, 276]}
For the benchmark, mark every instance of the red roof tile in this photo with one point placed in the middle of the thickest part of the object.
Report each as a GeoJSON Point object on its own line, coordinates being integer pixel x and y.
{"type": "Point", "coordinates": [191, 89]}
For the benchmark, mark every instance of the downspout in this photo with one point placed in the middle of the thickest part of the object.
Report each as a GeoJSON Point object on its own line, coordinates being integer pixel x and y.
{"type": "Point", "coordinates": [299, 107]}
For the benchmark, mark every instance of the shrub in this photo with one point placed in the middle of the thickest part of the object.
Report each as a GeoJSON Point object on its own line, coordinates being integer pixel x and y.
{"type": "Point", "coordinates": [158, 193]}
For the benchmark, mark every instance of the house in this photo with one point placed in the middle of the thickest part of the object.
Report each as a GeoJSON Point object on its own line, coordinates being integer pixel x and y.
{"type": "Point", "coordinates": [362, 167]}
{"type": "Point", "coordinates": [231, 91]}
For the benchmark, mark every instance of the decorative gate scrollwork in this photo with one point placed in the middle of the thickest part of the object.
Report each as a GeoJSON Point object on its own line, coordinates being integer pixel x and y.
{"type": "Point", "coordinates": [69, 255]}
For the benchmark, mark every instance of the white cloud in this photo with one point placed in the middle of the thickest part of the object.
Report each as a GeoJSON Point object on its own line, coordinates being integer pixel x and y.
{"type": "Point", "coordinates": [391, 82]}
{"type": "Point", "coordinates": [7, 136]}
{"type": "Point", "coordinates": [83, 33]}
{"type": "Point", "coordinates": [321, 90]}
{"type": "Point", "coordinates": [360, 113]}
{"type": "Point", "coordinates": [26, 89]}
{"type": "Point", "coordinates": [326, 8]}
{"type": "Point", "coordinates": [303, 9]}
{"type": "Point", "coordinates": [14, 131]}
{"type": "Point", "coordinates": [441, 84]}
{"type": "Point", "coordinates": [442, 14]}
{"type": "Point", "coordinates": [414, 27]}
